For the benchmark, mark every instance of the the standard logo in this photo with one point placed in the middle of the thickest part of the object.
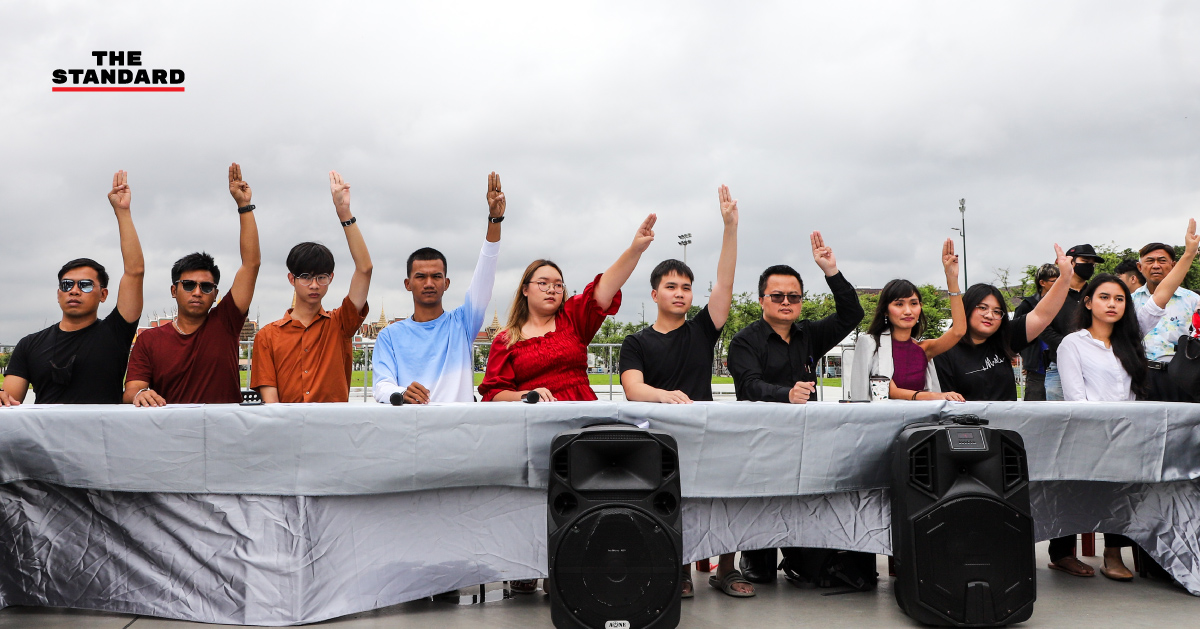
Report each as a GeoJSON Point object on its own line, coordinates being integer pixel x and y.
{"type": "Point", "coordinates": [617, 624]}
{"type": "Point", "coordinates": [118, 71]}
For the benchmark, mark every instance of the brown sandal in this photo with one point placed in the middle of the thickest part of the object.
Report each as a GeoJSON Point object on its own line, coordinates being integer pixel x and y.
{"type": "Point", "coordinates": [1079, 568]}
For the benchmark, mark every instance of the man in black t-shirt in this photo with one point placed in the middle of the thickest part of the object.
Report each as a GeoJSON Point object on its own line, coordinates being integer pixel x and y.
{"type": "Point", "coordinates": [81, 359]}
{"type": "Point", "coordinates": [671, 361]}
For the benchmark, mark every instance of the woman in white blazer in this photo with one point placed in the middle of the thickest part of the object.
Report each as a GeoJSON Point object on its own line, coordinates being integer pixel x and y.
{"type": "Point", "coordinates": [890, 349]}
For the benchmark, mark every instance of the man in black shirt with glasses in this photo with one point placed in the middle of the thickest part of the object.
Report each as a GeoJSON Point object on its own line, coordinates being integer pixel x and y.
{"type": "Point", "coordinates": [81, 359]}
{"type": "Point", "coordinates": [775, 358]}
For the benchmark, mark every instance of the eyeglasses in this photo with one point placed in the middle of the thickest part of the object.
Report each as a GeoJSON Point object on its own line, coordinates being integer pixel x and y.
{"type": "Point", "coordinates": [323, 279]}
{"type": "Point", "coordinates": [85, 286]}
{"type": "Point", "coordinates": [547, 287]}
{"type": "Point", "coordinates": [996, 313]}
{"type": "Point", "coordinates": [779, 297]}
{"type": "Point", "coordinates": [190, 285]}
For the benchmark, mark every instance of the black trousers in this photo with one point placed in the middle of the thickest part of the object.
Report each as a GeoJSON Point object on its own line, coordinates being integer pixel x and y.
{"type": "Point", "coordinates": [1065, 546]}
{"type": "Point", "coordinates": [1159, 388]}
{"type": "Point", "coordinates": [1035, 387]}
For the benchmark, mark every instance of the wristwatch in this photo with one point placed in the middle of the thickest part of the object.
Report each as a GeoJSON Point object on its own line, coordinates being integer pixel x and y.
{"type": "Point", "coordinates": [349, 222]}
{"type": "Point", "coordinates": [246, 208]}
{"type": "Point", "coordinates": [495, 219]}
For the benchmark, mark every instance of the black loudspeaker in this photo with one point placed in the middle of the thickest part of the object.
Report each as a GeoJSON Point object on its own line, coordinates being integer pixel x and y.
{"type": "Point", "coordinates": [962, 534]}
{"type": "Point", "coordinates": [615, 529]}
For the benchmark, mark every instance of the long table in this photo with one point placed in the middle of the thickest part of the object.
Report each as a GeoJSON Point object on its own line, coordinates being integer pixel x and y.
{"type": "Point", "coordinates": [288, 514]}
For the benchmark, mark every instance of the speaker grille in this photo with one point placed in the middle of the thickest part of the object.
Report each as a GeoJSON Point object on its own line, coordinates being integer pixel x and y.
{"type": "Point", "coordinates": [920, 467]}
{"type": "Point", "coordinates": [616, 563]}
{"type": "Point", "coordinates": [1014, 465]}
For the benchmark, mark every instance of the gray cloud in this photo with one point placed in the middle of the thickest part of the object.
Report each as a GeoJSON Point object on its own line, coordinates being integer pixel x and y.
{"type": "Point", "coordinates": [1068, 122]}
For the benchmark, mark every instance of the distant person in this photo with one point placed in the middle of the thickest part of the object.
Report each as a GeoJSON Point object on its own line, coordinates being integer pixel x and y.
{"type": "Point", "coordinates": [81, 359]}
{"type": "Point", "coordinates": [672, 360]}
{"type": "Point", "coordinates": [428, 357]}
{"type": "Point", "coordinates": [1156, 264]}
{"type": "Point", "coordinates": [543, 347]}
{"type": "Point", "coordinates": [1127, 271]}
{"type": "Point", "coordinates": [195, 359]}
{"type": "Point", "coordinates": [1105, 361]}
{"type": "Point", "coordinates": [1033, 357]}
{"type": "Point", "coordinates": [308, 355]}
{"type": "Point", "coordinates": [1083, 260]}
{"type": "Point", "coordinates": [979, 367]}
{"type": "Point", "coordinates": [774, 359]}
{"type": "Point", "coordinates": [890, 350]}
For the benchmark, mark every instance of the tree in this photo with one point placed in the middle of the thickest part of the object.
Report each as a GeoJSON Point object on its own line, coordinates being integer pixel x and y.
{"type": "Point", "coordinates": [4, 358]}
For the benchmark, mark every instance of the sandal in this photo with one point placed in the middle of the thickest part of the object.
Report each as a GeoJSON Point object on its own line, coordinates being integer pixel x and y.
{"type": "Point", "coordinates": [523, 586]}
{"type": "Point", "coordinates": [726, 583]}
{"type": "Point", "coordinates": [1077, 568]}
{"type": "Point", "coordinates": [685, 582]}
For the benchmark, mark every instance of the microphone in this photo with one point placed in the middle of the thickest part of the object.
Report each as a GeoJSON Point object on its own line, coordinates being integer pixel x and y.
{"type": "Point", "coordinates": [397, 399]}
{"type": "Point", "coordinates": [532, 397]}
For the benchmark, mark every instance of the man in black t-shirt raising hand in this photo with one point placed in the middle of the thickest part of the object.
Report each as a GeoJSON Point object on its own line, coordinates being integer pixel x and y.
{"type": "Point", "coordinates": [81, 359]}
{"type": "Point", "coordinates": [671, 361]}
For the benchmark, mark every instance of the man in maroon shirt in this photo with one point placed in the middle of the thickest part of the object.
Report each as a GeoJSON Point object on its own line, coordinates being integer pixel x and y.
{"type": "Point", "coordinates": [195, 359]}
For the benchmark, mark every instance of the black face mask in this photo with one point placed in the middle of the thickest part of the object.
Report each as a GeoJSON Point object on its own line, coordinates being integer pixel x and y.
{"type": "Point", "coordinates": [1085, 270]}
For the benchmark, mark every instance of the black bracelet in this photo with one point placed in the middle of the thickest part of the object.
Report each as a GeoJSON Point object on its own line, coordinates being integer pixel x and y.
{"type": "Point", "coordinates": [245, 208]}
{"type": "Point", "coordinates": [495, 219]}
{"type": "Point", "coordinates": [350, 222]}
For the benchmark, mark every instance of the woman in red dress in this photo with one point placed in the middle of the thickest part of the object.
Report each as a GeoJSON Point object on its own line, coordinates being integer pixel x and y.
{"type": "Point", "coordinates": [543, 347]}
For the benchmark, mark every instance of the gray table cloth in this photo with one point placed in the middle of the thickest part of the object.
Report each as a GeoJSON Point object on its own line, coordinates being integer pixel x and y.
{"type": "Point", "coordinates": [299, 513]}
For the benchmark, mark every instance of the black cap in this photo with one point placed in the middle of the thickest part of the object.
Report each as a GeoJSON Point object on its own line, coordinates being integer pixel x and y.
{"type": "Point", "coordinates": [1084, 252]}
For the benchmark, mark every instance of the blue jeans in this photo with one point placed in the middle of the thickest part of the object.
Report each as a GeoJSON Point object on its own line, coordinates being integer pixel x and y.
{"type": "Point", "coordinates": [1054, 390]}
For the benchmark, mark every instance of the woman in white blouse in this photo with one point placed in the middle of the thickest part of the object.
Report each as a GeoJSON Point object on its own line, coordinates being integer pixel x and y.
{"type": "Point", "coordinates": [1104, 361]}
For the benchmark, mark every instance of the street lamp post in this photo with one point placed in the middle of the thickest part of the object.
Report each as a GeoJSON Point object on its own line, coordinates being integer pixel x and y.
{"type": "Point", "coordinates": [962, 231]}
{"type": "Point", "coordinates": [685, 240]}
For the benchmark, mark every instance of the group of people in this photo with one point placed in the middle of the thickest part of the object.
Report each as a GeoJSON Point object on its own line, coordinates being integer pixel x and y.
{"type": "Point", "coordinates": [1102, 340]}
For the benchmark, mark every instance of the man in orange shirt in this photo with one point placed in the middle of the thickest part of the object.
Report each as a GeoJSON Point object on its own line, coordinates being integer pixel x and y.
{"type": "Point", "coordinates": [307, 356]}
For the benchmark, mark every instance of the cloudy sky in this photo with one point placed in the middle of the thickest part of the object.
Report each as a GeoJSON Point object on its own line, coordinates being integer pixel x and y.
{"type": "Point", "coordinates": [1067, 122]}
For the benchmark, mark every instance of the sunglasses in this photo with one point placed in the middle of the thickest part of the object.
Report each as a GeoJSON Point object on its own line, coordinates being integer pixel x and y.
{"type": "Point", "coordinates": [323, 279]}
{"type": "Point", "coordinates": [190, 285]}
{"type": "Point", "coordinates": [778, 298]}
{"type": "Point", "coordinates": [86, 286]}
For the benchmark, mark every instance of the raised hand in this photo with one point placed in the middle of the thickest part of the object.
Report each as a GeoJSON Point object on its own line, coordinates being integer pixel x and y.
{"type": "Point", "coordinates": [341, 195]}
{"type": "Point", "coordinates": [823, 255]}
{"type": "Point", "coordinates": [1065, 268]}
{"type": "Point", "coordinates": [644, 235]}
{"type": "Point", "coordinates": [1191, 240]}
{"type": "Point", "coordinates": [729, 209]}
{"type": "Point", "coordinates": [949, 258]}
{"type": "Point", "coordinates": [118, 197]}
{"type": "Point", "coordinates": [495, 197]}
{"type": "Point", "coordinates": [238, 188]}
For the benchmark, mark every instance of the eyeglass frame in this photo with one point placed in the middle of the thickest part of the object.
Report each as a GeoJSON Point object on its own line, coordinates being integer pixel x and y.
{"type": "Point", "coordinates": [70, 284]}
{"type": "Point", "coordinates": [196, 283]}
{"type": "Point", "coordinates": [777, 298]}
{"type": "Point", "coordinates": [984, 309]}
{"type": "Point", "coordinates": [307, 278]}
{"type": "Point", "coordinates": [546, 287]}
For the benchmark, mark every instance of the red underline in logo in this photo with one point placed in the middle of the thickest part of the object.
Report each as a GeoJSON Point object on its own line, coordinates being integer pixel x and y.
{"type": "Point", "coordinates": [116, 89]}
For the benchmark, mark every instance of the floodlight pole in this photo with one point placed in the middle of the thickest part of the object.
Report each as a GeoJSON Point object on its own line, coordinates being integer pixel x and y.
{"type": "Point", "coordinates": [962, 231]}
{"type": "Point", "coordinates": [685, 240]}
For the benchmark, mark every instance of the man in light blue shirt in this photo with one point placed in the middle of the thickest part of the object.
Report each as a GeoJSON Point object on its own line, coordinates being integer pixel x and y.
{"type": "Point", "coordinates": [427, 357]}
{"type": "Point", "coordinates": [1155, 262]}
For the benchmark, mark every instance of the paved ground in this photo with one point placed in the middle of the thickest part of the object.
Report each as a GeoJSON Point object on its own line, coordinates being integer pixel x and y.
{"type": "Point", "coordinates": [1063, 601]}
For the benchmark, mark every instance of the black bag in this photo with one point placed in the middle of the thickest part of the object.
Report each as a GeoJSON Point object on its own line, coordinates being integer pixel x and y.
{"type": "Point", "coordinates": [827, 568]}
{"type": "Point", "coordinates": [1184, 368]}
